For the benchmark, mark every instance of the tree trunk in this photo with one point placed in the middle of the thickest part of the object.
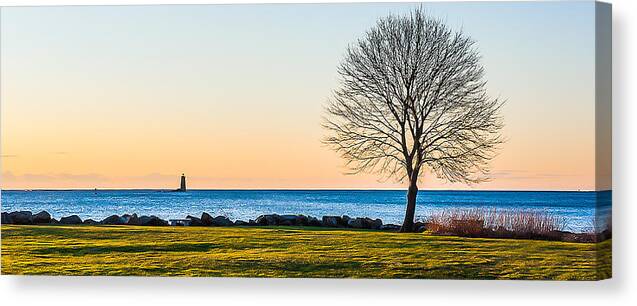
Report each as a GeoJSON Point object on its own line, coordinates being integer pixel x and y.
{"type": "Point", "coordinates": [412, 192]}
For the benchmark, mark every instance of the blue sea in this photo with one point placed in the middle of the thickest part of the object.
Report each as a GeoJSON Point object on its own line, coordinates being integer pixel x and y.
{"type": "Point", "coordinates": [577, 208]}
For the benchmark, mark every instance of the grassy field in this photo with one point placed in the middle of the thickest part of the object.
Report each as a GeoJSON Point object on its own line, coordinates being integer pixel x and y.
{"type": "Point", "coordinates": [290, 252]}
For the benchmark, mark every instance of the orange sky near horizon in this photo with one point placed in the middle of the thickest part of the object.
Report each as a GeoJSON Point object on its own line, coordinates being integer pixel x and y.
{"type": "Point", "coordinates": [107, 104]}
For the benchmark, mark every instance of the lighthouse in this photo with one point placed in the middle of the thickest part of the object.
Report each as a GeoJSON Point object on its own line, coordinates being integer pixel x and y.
{"type": "Point", "coordinates": [182, 187]}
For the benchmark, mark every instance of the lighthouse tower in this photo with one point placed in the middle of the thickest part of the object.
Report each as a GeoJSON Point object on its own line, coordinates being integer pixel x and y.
{"type": "Point", "coordinates": [182, 187]}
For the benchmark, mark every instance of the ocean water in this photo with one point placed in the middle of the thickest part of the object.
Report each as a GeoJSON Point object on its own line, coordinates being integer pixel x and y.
{"type": "Point", "coordinates": [577, 208]}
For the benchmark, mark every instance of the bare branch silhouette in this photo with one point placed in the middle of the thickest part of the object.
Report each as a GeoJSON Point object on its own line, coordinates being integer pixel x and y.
{"type": "Point", "coordinates": [411, 97]}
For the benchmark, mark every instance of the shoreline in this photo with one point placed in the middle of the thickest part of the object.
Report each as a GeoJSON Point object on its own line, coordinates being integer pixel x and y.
{"type": "Point", "coordinates": [274, 220]}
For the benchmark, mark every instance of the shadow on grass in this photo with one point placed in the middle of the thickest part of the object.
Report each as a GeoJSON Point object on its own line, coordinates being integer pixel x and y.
{"type": "Point", "coordinates": [88, 250]}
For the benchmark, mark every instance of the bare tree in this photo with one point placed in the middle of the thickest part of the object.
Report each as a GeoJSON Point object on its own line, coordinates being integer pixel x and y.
{"type": "Point", "coordinates": [412, 97]}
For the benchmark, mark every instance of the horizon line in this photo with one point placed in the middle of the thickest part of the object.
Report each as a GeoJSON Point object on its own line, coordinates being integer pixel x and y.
{"type": "Point", "coordinates": [301, 189]}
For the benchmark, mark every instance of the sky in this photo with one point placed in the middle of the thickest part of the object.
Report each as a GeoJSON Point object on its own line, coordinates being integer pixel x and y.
{"type": "Point", "coordinates": [232, 95]}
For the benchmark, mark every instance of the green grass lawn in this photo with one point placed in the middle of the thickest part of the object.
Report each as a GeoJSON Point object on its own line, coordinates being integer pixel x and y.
{"type": "Point", "coordinates": [290, 252]}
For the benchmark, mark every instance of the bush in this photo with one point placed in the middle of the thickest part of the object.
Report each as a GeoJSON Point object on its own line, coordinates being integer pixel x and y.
{"type": "Point", "coordinates": [480, 222]}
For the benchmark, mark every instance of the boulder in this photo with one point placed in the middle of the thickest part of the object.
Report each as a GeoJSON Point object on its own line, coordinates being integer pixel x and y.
{"type": "Point", "coordinates": [390, 227]}
{"type": "Point", "coordinates": [301, 220]}
{"type": "Point", "coordinates": [112, 220]}
{"type": "Point", "coordinates": [221, 221]}
{"type": "Point", "coordinates": [130, 219]}
{"type": "Point", "coordinates": [42, 217]}
{"type": "Point", "coordinates": [194, 221]}
{"type": "Point", "coordinates": [74, 219]}
{"type": "Point", "coordinates": [344, 222]}
{"type": "Point", "coordinates": [90, 222]}
{"type": "Point", "coordinates": [375, 224]}
{"type": "Point", "coordinates": [206, 219]}
{"type": "Point", "coordinates": [297, 220]}
{"type": "Point", "coordinates": [365, 223]}
{"type": "Point", "coordinates": [156, 221]}
{"type": "Point", "coordinates": [274, 219]}
{"type": "Point", "coordinates": [241, 223]}
{"type": "Point", "coordinates": [261, 220]}
{"type": "Point", "coordinates": [267, 220]}
{"type": "Point", "coordinates": [357, 223]}
{"type": "Point", "coordinates": [331, 221]}
{"type": "Point", "coordinates": [5, 218]}
{"type": "Point", "coordinates": [21, 217]}
{"type": "Point", "coordinates": [152, 221]}
{"type": "Point", "coordinates": [420, 227]}
{"type": "Point", "coordinates": [313, 221]}
{"type": "Point", "coordinates": [287, 220]}
{"type": "Point", "coordinates": [143, 220]}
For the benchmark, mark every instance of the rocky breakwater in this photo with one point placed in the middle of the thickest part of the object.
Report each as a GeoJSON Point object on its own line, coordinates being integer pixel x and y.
{"type": "Point", "coordinates": [43, 217]}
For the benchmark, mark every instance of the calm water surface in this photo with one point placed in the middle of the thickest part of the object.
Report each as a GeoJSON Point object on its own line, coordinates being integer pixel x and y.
{"type": "Point", "coordinates": [578, 208]}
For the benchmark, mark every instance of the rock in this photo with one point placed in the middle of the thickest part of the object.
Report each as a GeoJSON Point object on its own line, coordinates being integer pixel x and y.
{"type": "Point", "coordinates": [344, 222]}
{"type": "Point", "coordinates": [313, 221]}
{"type": "Point", "coordinates": [420, 227]}
{"type": "Point", "coordinates": [21, 217]}
{"type": "Point", "coordinates": [112, 220]}
{"type": "Point", "coordinates": [90, 222]}
{"type": "Point", "coordinates": [241, 223]}
{"type": "Point", "coordinates": [274, 219]}
{"type": "Point", "coordinates": [376, 224]}
{"type": "Point", "coordinates": [261, 220]}
{"type": "Point", "coordinates": [194, 221]}
{"type": "Point", "coordinates": [158, 222]}
{"type": "Point", "coordinates": [357, 223]}
{"type": "Point", "coordinates": [365, 223]}
{"type": "Point", "coordinates": [206, 219]}
{"type": "Point", "coordinates": [42, 217]}
{"type": "Point", "coordinates": [301, 220]}
{"type": "Point", "coordinates": [130, 219]}
{"type": "Point", "coordinates": [267, 220]}
{"type": "Point", "coordinates": [287, 220]}
{"type": "Point", "coordinates": [331, 221]}
{"type": "Point", "coordinates": [152, 221]}
{"type": "Point", "coordinates": [5, 218]}
{"type": "Point", "coordinates": [221, 221]}
{"type": "Point", "coordinates": [143, 220]}
{"type": "Point", "coordinates": [74, 219]}
{"type": "Point", "coordinates": [134, 220]}
{"type": "Point", "coordinates": [390, 227]}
